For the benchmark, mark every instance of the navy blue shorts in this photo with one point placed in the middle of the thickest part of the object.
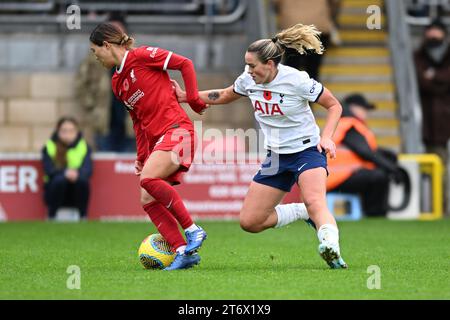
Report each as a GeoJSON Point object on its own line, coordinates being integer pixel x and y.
{"type": "Point", "coordinates": [281, 171]}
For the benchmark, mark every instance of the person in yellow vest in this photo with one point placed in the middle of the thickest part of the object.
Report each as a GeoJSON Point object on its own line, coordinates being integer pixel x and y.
{"type": "Point", "coordinates": [360, 166]}
{"type": "Point", "coordinates": [67, 163]}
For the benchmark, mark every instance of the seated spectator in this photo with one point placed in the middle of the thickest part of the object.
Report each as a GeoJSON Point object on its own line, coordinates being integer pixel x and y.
{"type": "Point", "coordinates": [67, 165]}
{"type": "Point", "coordinates": [360, 166]}
{"type": "Point", "coordinates": [432, 62]}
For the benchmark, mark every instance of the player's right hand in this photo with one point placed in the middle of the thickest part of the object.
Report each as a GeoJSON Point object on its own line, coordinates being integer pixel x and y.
{"type": "Point", "coordinates": [327, 145]}
{"type": "Point", "coordinates": [138, 166]}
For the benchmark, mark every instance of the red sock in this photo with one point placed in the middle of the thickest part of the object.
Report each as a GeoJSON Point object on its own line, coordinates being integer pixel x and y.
{"type": "Point", "coordinates": [169, 198]}
{"type": "Point", "coordinates": [165, 223]}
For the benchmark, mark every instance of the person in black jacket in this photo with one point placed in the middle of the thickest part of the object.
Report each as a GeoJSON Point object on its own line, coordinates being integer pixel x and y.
{"type": "Point", "coordinates": [67, 165]}
{"type": "Point", "coordinates": [432, 61]}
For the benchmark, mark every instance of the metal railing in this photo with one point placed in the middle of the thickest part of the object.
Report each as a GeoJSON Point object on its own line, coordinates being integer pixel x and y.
{"type": "Point", "coordinates": [29, 6]}
{"type": "Point", "coordinates": [184, 6]}
{"type": "Point", "coordinates": [136, 6]}
{"type": "Point", "coordinates": [103, 5]}
{"type": "Point", "coordinates": [207, 17]}
{"type": "Point", "coordinates": [423, 12]}
{"type": "Point", "coordinates": [405, 78]}
{"type": "Point", "coordinates": [195, 16]}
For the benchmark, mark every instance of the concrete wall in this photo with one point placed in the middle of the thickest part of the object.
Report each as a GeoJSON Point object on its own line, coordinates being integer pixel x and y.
{"type": "Point", "coordinates": [53, 52]}
{"type": "Point", "coordinates": [37, 73]}
{"type": "Point", "coordinates": [30, 104]}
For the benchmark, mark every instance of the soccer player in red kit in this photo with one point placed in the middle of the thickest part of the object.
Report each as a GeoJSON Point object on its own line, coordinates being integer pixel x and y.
{"type": "Point", "coordinates": [165, 136]}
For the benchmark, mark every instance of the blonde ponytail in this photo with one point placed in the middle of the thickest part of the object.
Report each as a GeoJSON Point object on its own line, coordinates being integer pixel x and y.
{"type": "Point", "coordinates": [301, 38]}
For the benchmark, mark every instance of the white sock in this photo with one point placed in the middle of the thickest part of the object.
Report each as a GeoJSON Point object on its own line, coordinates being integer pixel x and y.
{"type": "Point", "coordinates": [191, 228]}
{"type": "Point", "coordinates": [180, 250]}
{"type": "Point", "coordinates": [328, 233]}
{"type": "Point", "coordinates": [288, 213]}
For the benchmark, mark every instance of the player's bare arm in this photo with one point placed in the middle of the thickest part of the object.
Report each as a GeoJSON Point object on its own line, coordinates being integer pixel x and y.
{"type": "Point", "coordinates": [219, 96]}
{"type": "Point", "coordinates": [334, 108]}
{"type": "Point", "coordinates": [215, 96]}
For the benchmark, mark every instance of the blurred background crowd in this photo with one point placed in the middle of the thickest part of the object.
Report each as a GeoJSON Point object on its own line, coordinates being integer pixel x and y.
{"type": "Point", "coordinates": [388, 62]}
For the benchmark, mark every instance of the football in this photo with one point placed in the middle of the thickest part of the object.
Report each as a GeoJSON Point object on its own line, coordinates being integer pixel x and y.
{"type": "Point", "coordinates": [155, 252]}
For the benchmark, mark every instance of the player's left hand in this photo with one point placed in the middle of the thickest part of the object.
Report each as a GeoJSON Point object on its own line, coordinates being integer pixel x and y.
{"type": "Point", "coordinates": [328, 145]}
{"type": "Point", "coordinates": [180, 93]}
{"type": "Point", "coordinates": [138, 166]}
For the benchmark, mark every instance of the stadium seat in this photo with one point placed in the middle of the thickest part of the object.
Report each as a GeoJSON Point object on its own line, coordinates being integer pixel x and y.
{"type": "Point", "coordinates": [344, 206]}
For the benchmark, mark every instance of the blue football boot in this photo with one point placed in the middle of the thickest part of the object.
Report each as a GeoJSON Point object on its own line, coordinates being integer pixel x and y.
{"type": "Point", "coordinates": [194, 240]}
{"type": "Point", "coordinates": [183, 261]}
{"type": "Point", "coordinates": [311, 223]}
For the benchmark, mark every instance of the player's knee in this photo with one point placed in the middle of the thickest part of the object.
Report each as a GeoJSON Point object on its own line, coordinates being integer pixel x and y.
{"type": "Point", "coordinates": [249, 225]}
{"type": "Point", "coordinates": [146, 198]}
{"type": "Point", "coordinates": [314, 204]}
{"type": "Point", "coordinates": [145, 179]}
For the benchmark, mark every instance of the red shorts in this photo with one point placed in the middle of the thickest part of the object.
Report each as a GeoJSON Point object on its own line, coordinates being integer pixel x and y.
{"type": "Point", "coordinates": [183, 142]}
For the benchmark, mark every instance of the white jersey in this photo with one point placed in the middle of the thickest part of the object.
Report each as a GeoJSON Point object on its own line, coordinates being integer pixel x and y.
{"type": "Point", "coordinates": [282, 109]}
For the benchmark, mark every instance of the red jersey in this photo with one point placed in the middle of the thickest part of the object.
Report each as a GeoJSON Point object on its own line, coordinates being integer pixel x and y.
{"type": "Point", "coordinates": [143, 84]}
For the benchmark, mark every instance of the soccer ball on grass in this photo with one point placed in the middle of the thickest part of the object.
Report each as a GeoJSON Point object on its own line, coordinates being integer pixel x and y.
{"type": "Point", "coordinates": [155, 252]}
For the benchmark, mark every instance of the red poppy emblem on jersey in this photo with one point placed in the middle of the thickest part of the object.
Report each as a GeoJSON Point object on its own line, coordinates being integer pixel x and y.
{"type": "Point", "coordinates": [267, 95]}
{"type": "Point", "coordinates": [126, 85]}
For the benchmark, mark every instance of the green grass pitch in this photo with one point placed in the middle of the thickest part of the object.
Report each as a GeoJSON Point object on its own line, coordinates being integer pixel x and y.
{"type": "Point", "coordinates": [413, 257]}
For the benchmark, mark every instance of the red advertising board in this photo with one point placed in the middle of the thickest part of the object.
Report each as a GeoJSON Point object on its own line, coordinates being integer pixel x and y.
{"type": "Point", "coordinates": [21, 189]}
{"type": "Point", "coordinates": [208, 190]}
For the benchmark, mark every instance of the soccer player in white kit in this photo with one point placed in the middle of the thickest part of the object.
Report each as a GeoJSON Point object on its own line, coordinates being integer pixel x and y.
{"type": "Point", "coordinates": [280, 96]}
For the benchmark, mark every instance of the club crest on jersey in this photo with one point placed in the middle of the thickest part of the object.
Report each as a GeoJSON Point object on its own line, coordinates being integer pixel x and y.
{"type": "Point", "coordinates": [133, 77]}
{"type": "Point", "coordinates": [267, 108]}
{"type": "Point", "coordinates": [126, 85]}
{"type": "Point", "coordinates": [267, 95]}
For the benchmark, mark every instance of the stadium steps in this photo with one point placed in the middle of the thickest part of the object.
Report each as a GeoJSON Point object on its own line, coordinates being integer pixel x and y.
{"type": "Point", "coordinates": [360, 4]}
{"type": "Point", "coordinates": [363, 37]}
{"type": "Point", "coordinates": [362, 63]}
{"type": "Point", "coordinates": [350, 19]}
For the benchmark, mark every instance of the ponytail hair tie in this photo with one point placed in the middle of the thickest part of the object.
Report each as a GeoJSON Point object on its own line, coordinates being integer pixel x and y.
{"type": "Point", "coordinates": [125, 39]}
{"type": "Point", "coordinates": [274, 39]}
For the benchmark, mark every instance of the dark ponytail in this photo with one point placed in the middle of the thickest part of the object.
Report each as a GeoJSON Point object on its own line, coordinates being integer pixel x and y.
{"type": "Point", "coordinates": [110, 32]}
